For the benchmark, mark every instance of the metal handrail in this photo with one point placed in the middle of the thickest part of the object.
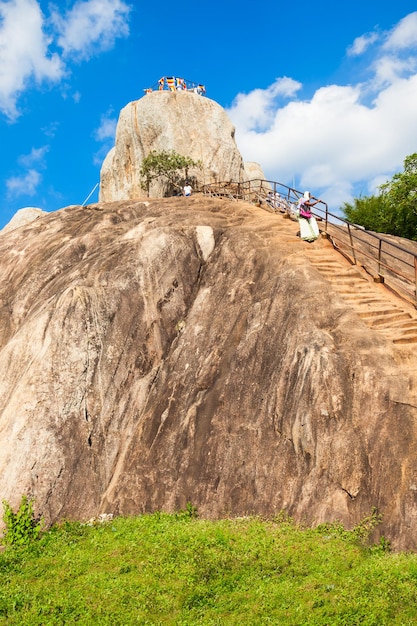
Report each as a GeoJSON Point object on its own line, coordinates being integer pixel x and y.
{"type": "Point", "coordinates": [387, 261]}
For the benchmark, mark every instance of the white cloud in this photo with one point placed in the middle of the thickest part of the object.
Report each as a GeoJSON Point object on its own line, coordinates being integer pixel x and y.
{"type": "Point", "coordinates": [338, 142]}
{"type": "Point", "coordinates": [388, 68]}
{"type": "Point", "coordinates": [24, 52]}
{"type": "Point", "coordinates": [36, 156]}
{"type": "Point", "coordinates": [404, 34]}
{"type": "Point", "coordinates": [105, 133]}
{"type": "Point", "coordinates": [28, 41]}
{"type": "Point", "coordinates": [362, 43]}
{"type": "Point", "coordinates": [256, 109]}
{"type": "Point", "coordinates": [51, 129]}
{"type": "Point", "coordinates": [107, 127]}
{"type": "Point", "coordinates": [91, 26]}
{"type": "Point", "coordinates": [25, 185]}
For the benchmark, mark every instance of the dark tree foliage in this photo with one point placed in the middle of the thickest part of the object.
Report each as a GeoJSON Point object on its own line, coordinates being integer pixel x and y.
{"type": "Point", "coordinates": [394, 211]}
{"type": "Point", "coordinates": [368, 211]}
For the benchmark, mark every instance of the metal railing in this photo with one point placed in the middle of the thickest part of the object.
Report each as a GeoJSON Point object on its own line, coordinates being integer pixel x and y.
{"type": "Point", "coordinates": [275, 195]}
{"type": "Point", "coordinates": [380, 255]}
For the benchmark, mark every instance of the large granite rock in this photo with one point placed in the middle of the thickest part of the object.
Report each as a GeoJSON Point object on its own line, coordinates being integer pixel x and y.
{"type": "Point", "coordinates": [22, 217]}
{"type": "Point", "coordinates": [253, 171]}
{"type": "Point", "coordinates": [190, 124]}
{"type": "Point", "coordinates": [154, 353]}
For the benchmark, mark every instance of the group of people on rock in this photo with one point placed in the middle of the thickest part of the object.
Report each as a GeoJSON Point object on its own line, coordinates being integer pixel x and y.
{"type": "Point", "coordinates": [276, 201]}
{"type": "Point", "coordinates": [309, 230]}
{"type": "Point", "coordinates": [178, 84]}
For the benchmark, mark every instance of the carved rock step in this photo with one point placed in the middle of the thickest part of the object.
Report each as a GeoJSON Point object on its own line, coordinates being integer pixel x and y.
{"type": "Point", "coordinates": [370, 304]}
{"type": "Point", "coordinates": [377, 317]}
{"type": "Point", "coordinates": [363, 299]}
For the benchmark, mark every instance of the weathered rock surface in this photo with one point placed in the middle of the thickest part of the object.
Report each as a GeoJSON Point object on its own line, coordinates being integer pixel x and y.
{"type": "Point", "coordinates": [22, 217]}
{"type": "Point", "coordinates": [190, 124]}
{"type": "Point", "coordinates": [154, 353]}
{"type": "Point", "coordinates": [253, 171]}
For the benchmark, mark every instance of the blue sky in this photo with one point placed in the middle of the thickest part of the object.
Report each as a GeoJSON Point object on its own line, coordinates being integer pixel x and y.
{"type": "Point", "coordinates": [323, 95]}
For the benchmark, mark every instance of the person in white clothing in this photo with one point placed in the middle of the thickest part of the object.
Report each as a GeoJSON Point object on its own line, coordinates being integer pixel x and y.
{"type": "Point", "coordinates": [187, 189]}
{"type": "Point", "coordinates": [309, 230]}
{"type": "Point", "coordinates": [304, 205]}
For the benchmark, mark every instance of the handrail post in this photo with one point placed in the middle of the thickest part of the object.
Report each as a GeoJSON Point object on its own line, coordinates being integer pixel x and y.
{"type": "Point", "coordinates": [351, 244]}
{"type": "Point", "coordinates": [379, 257]}
{"type": "Point", "coordinates": [415, 279]}
{"type": "Point", "coordinates": [380, 278]}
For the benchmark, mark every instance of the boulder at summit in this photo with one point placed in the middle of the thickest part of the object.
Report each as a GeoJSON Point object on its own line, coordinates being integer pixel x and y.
{"type": "Point", "coordinates": [189, 124]}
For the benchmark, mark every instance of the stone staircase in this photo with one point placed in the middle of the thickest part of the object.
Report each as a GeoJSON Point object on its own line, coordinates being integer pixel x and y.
{"type": "Point", "coordinates": [373, 303]}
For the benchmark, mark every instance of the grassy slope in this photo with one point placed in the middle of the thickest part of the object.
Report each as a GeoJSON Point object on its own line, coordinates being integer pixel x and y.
{"type": "Point", "coordinates": [175, 569]}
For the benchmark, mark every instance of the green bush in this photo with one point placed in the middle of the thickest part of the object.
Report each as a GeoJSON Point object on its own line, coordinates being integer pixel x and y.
{"type": "Point", "coordinates": [394, 209]}
{"type": "Point", "coordinates": [22, 527]}
{"type": "Point", "coordinates": [368, 211]}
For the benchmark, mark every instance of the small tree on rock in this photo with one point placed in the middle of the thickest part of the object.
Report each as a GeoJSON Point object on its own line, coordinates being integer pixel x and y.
{"type": "Point", "coordinates": [168, 165]}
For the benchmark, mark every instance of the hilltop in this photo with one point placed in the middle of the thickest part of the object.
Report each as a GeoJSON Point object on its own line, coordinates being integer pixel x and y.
{"type": "Point", "coordinates": [177, 350]}
{"type": "Point", "coordinates": [188, 123]}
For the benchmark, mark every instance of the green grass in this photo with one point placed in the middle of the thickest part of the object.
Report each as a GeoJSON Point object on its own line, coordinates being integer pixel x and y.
{"type": "Point", "coordinates": [176, 569]}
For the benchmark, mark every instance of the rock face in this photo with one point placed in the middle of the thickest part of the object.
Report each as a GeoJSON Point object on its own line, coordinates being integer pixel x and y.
{"type": "Point", "coordinates": [22, 217]}
{"type": "Point", "coordinates": [155, 353]}
{"type": "Point", "coordinates": [190, 124]}
{"type": "Point", "coordinates": [253, 171]}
